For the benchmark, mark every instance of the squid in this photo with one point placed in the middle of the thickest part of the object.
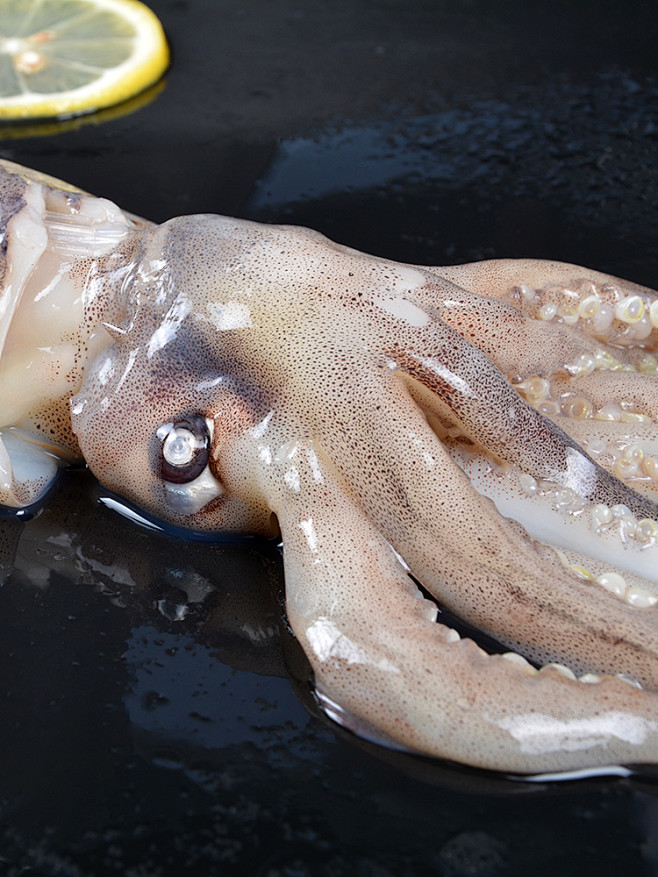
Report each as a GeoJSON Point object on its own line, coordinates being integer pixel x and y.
{"type": "Point", "coordinates": [461, 463]}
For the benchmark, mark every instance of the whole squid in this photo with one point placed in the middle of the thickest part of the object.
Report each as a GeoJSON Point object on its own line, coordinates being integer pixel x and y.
{"type": "Point", "coordinates": [486, 432]}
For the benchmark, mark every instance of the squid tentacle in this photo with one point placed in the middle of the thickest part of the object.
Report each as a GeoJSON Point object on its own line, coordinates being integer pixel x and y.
{"type": "Point", "coordinates": [493, 414]}
{"type": "Point", "coordinates": [401, 676]}
{"type": "Point", "coordinates": [627, 450]}
{"type": "Point", "coordinates": [474, 560]}
{"type": "Point", "coordinates": [517, 344]}
{"type": "Point", "coordinates": [628, 392]}
{"type": "Point", "coordinates": [513, 280]}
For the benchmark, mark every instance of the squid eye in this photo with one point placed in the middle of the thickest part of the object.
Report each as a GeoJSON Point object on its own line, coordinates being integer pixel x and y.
{"type": "Point", "coordinates": [185, 447]}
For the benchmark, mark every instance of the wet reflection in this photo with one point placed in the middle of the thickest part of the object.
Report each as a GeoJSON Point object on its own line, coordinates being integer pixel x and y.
{"type": "Point", "coordinates": [156, 714]}
{"type": "Point", "coordinates": [117, 640]}
{"type": "Point", "coordinates": [17, 130]}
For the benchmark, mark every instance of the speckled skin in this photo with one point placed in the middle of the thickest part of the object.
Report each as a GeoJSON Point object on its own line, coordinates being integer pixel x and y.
{"type": "Point", "coordinates": [339, 390]}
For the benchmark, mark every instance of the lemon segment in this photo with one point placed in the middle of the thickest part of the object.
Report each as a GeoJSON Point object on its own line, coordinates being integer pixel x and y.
{"type": "Point", "coordinates": [66, 57]}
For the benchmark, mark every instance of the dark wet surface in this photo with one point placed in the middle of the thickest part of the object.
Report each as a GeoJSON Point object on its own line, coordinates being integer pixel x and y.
{"type": "Point", "coordinates": [155, 714]}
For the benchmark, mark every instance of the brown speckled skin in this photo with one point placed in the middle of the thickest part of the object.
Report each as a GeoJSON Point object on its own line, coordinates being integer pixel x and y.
{"type": "Point", "coordinates": [11, 197]}
{"type": "Point", "coordinates": [321, 370]}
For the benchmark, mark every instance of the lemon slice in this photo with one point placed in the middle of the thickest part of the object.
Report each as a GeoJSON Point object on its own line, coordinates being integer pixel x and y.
{"type": "Point", "coordinates": [65, 57]}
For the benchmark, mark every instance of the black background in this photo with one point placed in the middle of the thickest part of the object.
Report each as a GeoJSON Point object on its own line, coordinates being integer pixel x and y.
{"type": "Point", "coordinates": [429, 131]}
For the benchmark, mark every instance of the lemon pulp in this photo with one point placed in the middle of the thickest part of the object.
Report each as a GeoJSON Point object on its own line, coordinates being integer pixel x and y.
{"type": "Point", "coordinates": [64, 57]}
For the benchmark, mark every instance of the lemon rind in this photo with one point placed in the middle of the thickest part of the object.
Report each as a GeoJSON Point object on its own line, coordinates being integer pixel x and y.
{"type": "Point", "coordinates": [144, 67]}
